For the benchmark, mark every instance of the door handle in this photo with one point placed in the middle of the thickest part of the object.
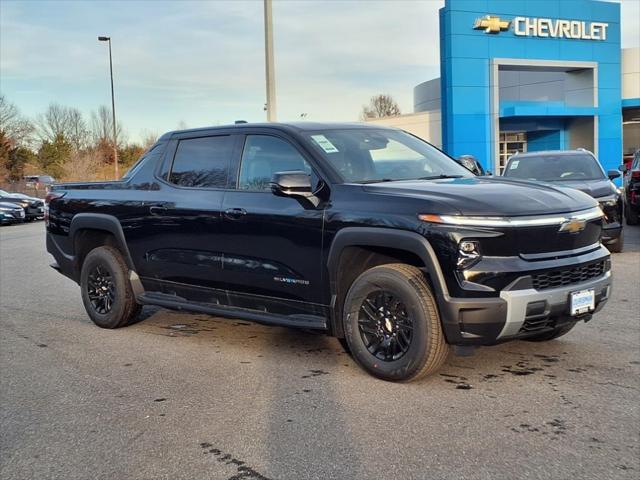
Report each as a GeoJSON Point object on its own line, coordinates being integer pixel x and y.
{"type": "Point", "coordinates": [235, 213]}
{"type": "Point", "coordinates": [158, 209]}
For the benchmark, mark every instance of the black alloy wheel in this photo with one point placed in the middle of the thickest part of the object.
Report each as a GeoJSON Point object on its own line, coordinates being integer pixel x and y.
{"type": "Point", "coordinates": [385, 326]}
{"type": "Point", "coordinates": [106, 289]}
{"type": "Point", "coordinates": [101, 289]}
{"type": "Point", "coordinates": [391, 323]}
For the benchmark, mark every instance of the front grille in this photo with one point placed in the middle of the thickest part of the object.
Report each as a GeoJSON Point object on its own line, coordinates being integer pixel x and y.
{"type": "Point", "coordinates": [568, 276]}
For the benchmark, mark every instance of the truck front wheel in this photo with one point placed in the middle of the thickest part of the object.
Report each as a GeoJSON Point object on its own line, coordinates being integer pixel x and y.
{"type": "Point", "coordinates": [392, 325]}
{"type": "Point", "coordinates": [106, 290]}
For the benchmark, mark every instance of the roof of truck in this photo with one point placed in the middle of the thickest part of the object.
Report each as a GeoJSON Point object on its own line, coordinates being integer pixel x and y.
{"type": "Point", "coordinates": [295, 126]}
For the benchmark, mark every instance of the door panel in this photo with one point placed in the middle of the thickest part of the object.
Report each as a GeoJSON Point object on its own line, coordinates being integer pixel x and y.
{"type": "Point", "coordinates": [272, 245]}
{"type": "Point", "coordinates": [181, 249]}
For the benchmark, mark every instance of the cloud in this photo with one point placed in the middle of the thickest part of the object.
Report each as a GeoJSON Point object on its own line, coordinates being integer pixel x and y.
{"type": "Point", "coordinates": [203, 62]}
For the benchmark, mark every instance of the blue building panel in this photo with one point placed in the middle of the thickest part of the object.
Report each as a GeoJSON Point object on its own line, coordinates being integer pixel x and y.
{"type": "Point", "coordinates": [474, 33]}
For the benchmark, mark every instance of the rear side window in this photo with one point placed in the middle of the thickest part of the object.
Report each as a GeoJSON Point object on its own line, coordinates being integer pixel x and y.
{"type": "Point", "coordinates": [202, 162]}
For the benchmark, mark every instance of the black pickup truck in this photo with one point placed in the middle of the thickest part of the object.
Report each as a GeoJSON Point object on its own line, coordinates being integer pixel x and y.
{"type": "Point", "coordinates": [367, 233]}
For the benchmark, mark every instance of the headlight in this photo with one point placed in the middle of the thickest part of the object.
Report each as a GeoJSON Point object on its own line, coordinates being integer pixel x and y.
{"type": "Point", "coordinates": [5, 209]}
{"type": "Point", "coordinates": [524, 221]}
{"type": "Point", "coordinates": [468, 254]}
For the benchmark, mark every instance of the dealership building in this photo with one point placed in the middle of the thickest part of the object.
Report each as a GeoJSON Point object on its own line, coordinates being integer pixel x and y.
{"type": "Point", "coordinates": [529, 75]}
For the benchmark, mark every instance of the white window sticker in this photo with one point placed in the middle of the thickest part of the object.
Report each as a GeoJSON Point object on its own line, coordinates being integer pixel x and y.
{"type": "Point", "coordinates": [514, 165]}
{"type": "Point", "coordinates": [324, 143]}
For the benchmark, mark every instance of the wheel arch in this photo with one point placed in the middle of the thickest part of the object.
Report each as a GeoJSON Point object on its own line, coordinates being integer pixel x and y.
{"type": "Point", "coordinates": [84, 223]}
{"type": "Point", "coordinates": [369, 247]}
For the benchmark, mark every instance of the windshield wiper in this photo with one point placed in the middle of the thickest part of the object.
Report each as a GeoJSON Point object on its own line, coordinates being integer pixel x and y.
{"type": "Point", "coordinates": [380, 180]}
{"type": "Point", "coordinates": [437, 177]}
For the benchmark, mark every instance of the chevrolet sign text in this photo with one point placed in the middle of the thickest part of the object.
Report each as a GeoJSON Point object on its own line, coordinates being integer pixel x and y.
{"type": "Point", "coordinates": [546, 27]}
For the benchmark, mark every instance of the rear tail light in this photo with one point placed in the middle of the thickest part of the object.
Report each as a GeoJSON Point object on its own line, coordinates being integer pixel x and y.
{"type": "Point", "coordinates": [635, 174]}
{"type": "Point", "coordinates": [634, 197]}
{"type": "Point", "coordinates": [48, 199]}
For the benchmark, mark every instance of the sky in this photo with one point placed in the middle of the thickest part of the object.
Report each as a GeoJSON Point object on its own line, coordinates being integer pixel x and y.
{"type": "Point", "coordinates": [198, 63]}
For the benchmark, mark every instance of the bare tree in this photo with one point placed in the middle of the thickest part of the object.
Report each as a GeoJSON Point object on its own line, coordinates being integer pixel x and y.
{"type": "Point", "coordinates": [67, 122]}
{"type": "Point", "coordinates": [14, 129]}
{"type": "Point", "coordinates": [82, 166]}
{"type": "Point", "coordinates": [52, 123]}
{"type": "Point", "coordinates": [382, 105]}
{"type": "Point", "coordinates": [78, 133]}
{"type": "Point", "coordinates": [148, 138]}
{"type": "Point", "coordinates": [102, 127]}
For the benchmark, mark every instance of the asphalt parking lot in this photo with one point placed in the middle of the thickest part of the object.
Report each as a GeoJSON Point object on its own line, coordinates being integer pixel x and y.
{"type": "Point", "coordinates": [181, 396]}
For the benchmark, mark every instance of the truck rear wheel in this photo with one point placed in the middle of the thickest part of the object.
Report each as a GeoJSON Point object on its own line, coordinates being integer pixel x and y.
{"type": "Point", "coordinates": [106, 290]}
{"type": "Point", "coordinates": [392, 325]}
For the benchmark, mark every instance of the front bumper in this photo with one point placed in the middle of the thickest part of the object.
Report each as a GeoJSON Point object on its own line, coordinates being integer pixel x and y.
{"type": "Point", "coordinates": [520, 311]}
{"type": "Point", "coordinates": [33, 212]}
{"type": "Point", "coordinates": [15, 216]}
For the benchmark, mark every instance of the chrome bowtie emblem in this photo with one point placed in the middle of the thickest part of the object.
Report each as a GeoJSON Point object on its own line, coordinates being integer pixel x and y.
{"type": "Point", "coordinates": [573, 225]}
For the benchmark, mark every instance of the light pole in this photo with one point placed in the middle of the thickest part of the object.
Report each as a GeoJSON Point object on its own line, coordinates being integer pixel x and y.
{"type": "Point", "coordinates": [113, 109]}
{"type": "Point", "coordinates": [270, 70]}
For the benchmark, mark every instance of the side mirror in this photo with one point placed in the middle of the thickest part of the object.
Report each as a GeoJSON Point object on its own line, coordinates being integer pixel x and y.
{"type": "Point", "coordinates": [622, 168]}
{"type": "Point", "coordinates": [468, 162]}
{"type": "Point", "coordinates": [291, 184]}
{"type": "Point", "coordinates": [613, 174]}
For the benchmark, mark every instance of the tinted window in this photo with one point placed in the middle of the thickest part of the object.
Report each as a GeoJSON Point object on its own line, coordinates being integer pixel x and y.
{"type": "Point", "coordinates": [202, 162]}
{"type": "Point", "coordinates": [370, 155]}
{"type": "Point", "coordinates": [553, 168]}
{"type": "Point", "coordinates": [263, 156]}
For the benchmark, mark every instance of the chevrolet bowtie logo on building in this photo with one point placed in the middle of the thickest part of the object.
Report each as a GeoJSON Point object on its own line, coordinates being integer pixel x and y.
{"type": "Point", "coordinates": [573, 225]}
{"type": "Point", "coordinates": [491, 24]}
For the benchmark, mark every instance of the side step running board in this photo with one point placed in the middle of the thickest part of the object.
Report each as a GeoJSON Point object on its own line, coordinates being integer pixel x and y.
{"type": "Point", "coordinates": [178, 303]}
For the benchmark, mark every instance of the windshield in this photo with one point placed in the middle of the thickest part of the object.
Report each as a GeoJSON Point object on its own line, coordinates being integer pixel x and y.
{"type": "Point", "coordinates": [370, 155]}
{"type": "Point", "coordinates": [554, 168]}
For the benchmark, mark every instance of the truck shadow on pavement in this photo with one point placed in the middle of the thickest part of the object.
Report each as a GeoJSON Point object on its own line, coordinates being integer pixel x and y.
{"type": "Point", "coordinates": [315, 355]}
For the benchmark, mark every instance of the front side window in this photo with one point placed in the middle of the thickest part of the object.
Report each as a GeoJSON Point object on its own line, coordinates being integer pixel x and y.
{"type": "Point", "coordinates": [264, 155]}
{"type": "Point", "coordinates": [202, 162]}
{"type": "Point", "coordinates": [554, 168]}
{"type": "Point", "coordinates": [372, 155]}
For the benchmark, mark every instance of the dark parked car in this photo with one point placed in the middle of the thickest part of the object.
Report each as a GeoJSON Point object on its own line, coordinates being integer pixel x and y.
{"type": "Point", "coordinates": [581, 170]}
{"type": "Point", "coordinates": [10, 213]}
{"type": "Point", "coordinates": [366, 233]}
{"type": "Point", "coordinates": [33, 207]}
{"type": "Point", "coordinates": [631, 183]}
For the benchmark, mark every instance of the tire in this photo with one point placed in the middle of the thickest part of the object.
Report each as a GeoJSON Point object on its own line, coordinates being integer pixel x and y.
{"type": "Point", "coordinates": [344, 345]}
{"type": "Point", "coordinates": [632, 217]}
{"type": "Point", "coordinates": [106, 290]}
{"type": "Point", "coordinates": [380, 340]}
{"type": "Point", "coordinates": [553, 334]}
{"type": "Point", "coordinates": [617, 245]}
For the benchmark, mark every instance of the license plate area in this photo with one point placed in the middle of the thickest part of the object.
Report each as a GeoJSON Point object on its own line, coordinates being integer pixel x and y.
{"type": "Point", "coordinates": [583, 301]}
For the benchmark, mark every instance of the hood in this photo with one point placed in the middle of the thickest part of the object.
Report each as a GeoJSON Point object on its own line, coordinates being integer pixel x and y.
{"type": "Point", "coordinates": [21, 196]}
{"type": "Point", "coordinates": [12, 206]}
{"type": "Point", "coordinates": [490, 196]}
{"type": "Point", "coordinates": [596, 188]}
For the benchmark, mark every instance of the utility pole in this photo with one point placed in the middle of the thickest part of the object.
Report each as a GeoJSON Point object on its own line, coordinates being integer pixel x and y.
{"type": "Point", "coordinates": [270, 70]}
{"type": "Point", "coordinates": [113, 110]}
